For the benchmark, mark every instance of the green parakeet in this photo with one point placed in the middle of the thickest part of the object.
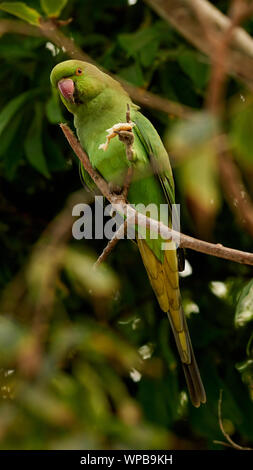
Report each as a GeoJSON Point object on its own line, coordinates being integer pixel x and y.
{"type": "Point", "coordinates": [98, 102]}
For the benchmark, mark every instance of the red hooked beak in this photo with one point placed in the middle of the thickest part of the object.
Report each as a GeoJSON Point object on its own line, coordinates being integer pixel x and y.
{"type": "Point", "coordinates": [67, 89]}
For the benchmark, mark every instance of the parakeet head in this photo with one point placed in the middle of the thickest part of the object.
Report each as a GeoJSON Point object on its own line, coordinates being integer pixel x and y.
{"type": "Point", "coordinates": [78, 82]}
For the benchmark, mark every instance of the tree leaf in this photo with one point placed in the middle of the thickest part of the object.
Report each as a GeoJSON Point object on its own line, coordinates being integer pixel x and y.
{"type": "Point", "coordinates": [190, 62]}
{"type": "Point", "coordinates": [199, 184]}
{"type": "Point", "coordinates": [45, 405]}
{"type": "Point", "coordinates": [53, 8]}
{"type": "Point", "coordinates": [9, 133]}
{"type": "Point", "coordinates": [100, 282]}
{"type": "Point", "coordinates": [13, 106]}
{"type": "Point", "coordinates": [15, 51]}
{"type": "Point", "coordinates": [148, 54]}
{"type": "Point", "coordinates": [133, 74]}
{"type": "Point", "coordinates": [11, 335]}
{"type": "Point", "coordinates": [244, 308]}
{"type": "Point", "coordinates": [56, 160]}
{"type": "Point", "coordinates": [186, 135]}
{"type": "Point", "coordinates": [53, 110]}
{"type": "Point", "coordinates": [145, 42]}
{"type": "Point", "coordinates": [135, 42]}
{"type": "Point", "coordinates": [23, 11]}
{"type": "Point", "coordinates": [246, 370]}
{"type": "Point", "coordinates": [33, 143]}
{"type": "Point", "coordinates": [11, 164]}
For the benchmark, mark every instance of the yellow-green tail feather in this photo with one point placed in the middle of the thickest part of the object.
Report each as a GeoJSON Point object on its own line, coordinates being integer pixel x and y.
{"type": "Point", "coordinates": [165, 283]}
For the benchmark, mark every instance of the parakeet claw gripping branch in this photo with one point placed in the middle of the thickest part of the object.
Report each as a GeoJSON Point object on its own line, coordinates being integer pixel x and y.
{"type": "Point", "coordinates": [98, 102]}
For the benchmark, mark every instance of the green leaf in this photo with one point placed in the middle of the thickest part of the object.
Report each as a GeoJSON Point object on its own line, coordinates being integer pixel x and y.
{"type": "Point", "coordinates": [12, 160]}
{"type": "Point", "coordinates": [53, 8]}
{"type": "Point", "coordinates": [244, 308]}
{"type": "Point", "coordinates": [148, 54]}
{"type": "Point", "coordinates": [144, 42]}
{"type": "Point", "coordinates": [133, 74]}
{"type": "Point", "coordinates": [199, 181]}
{"type": "Point", "coordinates": [188, 135]}
{"type": "Point", "coordinates": [41, 402]}
{"type": "Point", "coordinates": [246, 370]}
{"type": "Point", "coordinates": [13, 106]}
{"type": "Point", "coordinates": [15, 51]}
{"type": "Point", "coordinates": [21, 10]}
{"type": "Point", "coordinates": [33, 143]}
{"type": "Point", "coordinates": [100, 282]}
{"type": "Point", "coordinates": [11, 336]}
{"type": "Point", "coordinates": [56, 160]}
{"type": "Point", "coordinates": [12, 48]}
{"type": "Point", "coordinates": [192, 64]}
{"type": "Point", "coordinates": [53, 110]}
{"type": "Point", "coordinates": [135, 42]}
{"type": "Point", "coordinates": [9, 133]}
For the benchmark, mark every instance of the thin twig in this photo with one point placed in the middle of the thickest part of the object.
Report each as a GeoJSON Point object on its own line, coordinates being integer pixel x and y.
{"type": "Point", "coordinates": [111, 244]}
{"type": "Point", "coordinates": [230, 442]}
{"type": "Point", "coordinates": [121, 206]}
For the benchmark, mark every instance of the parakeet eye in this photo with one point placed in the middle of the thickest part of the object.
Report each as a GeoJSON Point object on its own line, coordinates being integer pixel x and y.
{"type": "Point", "coordinates": [79, 71]}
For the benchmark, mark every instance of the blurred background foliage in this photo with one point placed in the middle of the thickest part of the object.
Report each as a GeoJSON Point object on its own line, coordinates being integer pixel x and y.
{"type": "Point", "coordinates": [87, 359]}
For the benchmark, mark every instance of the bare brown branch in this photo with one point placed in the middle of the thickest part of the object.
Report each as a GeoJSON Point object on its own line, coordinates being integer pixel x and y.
{"type": "Point", "coordinates": [18, 27]}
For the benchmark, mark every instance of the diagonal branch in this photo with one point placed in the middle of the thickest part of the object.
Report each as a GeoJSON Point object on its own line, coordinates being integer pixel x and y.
{"type": "Point", "coordinates": [121, 206]}
{"type": "Point", "coordinates": [112, 243]}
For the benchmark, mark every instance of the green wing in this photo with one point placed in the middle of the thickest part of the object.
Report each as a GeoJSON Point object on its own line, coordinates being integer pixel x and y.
{"type": "Point", "coordinates": [160, 163]}
{"type": "Point", "coordinates": [157, 154]}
